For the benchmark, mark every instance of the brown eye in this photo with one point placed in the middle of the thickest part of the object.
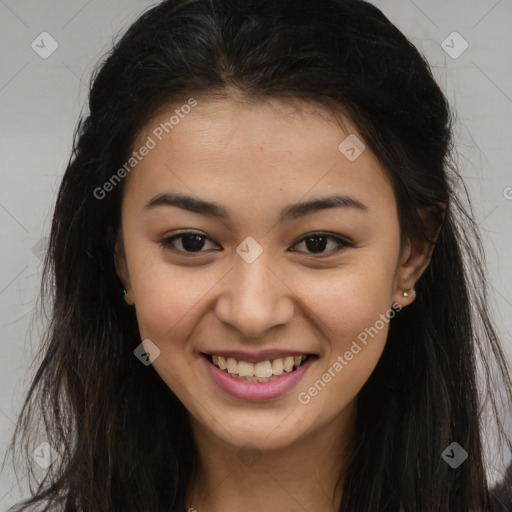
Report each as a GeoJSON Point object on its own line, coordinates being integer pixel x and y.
{"type": "Point", "coordinates": [190, 242]}
{"type": "Point", "coordinates": [317, 243]}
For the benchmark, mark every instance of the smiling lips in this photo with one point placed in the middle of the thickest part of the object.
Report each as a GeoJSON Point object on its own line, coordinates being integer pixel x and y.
{"type": "Point", "coordinates": [263, 371]}
{"type": "Point", "coordinates": [252, 387]}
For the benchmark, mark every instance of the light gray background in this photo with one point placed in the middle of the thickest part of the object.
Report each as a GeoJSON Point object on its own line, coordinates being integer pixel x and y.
{"type": "Point", "coordinates": [41, 99]}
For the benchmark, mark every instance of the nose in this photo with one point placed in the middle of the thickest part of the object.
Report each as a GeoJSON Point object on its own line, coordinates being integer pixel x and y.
{"type": "Point", "coordinates": [254, 298]}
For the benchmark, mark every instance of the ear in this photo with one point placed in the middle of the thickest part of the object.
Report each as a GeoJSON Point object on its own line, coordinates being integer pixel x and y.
{"type": "Point", "coordinates": [416, 255]}
{"type": "Point", "coordinates": [122, 268]}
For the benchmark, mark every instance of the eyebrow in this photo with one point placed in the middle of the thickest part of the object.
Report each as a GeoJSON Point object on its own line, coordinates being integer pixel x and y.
{"type": "Point", "coordinates": [290, 212]}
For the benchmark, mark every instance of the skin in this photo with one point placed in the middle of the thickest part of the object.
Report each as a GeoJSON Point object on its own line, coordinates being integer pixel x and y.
{"type": "Point", "coordinates": [255, 159]}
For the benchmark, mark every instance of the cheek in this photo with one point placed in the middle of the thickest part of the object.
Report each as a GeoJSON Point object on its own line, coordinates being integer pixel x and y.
{"type": "Point", "coordinates": [346, 301]}
{"type": "Point", "coordinates": [168, 302]}
{"type": "Point", "coordinates": [352, 310]}
{"type": "Point", "coordinates": [165, 301]}
{"type": "Point", "coordinates": [354, 333]}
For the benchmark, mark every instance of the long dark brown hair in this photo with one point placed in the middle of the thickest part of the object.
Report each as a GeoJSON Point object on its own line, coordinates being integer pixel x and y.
{"type": "Point", "coordinates": [123, 438]}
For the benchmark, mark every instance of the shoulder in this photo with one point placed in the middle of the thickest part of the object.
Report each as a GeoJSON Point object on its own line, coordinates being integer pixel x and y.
{"type": "Point", "coordinates": [501, 494]}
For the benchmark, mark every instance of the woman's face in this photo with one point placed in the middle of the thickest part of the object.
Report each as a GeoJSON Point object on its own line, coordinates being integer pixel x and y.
{"type": "Point", "coordinates": [263, 276]}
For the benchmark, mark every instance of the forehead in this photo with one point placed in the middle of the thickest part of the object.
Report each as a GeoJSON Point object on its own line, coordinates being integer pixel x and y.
{"type": "Point", "coordinates": [250, 152]}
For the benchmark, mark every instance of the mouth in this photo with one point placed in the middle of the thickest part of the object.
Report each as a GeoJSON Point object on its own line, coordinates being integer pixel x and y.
{"type": "Point", "coordinates": [257, 381]}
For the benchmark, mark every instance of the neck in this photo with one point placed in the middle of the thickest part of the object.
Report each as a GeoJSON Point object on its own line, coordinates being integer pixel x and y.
{"type": "Point", "coordinates": [302, 475]}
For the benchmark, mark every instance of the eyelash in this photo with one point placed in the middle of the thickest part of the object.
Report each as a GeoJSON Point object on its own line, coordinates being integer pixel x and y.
{"type": "Point", "coordinates": [343, 244]}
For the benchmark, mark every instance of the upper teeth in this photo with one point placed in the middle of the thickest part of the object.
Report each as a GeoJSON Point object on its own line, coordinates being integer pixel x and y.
{"type": "Point", "coordinates": [262, 369]}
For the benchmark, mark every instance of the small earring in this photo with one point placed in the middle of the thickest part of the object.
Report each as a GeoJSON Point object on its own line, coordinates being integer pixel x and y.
{"type": "Point", "coordinates": [124, 291]}
{"type": "Point", "coordinates": [408, 292]}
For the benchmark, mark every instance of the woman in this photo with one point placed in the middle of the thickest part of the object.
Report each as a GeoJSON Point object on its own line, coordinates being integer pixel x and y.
{"type": "Point", "coordinates": [320, 353]}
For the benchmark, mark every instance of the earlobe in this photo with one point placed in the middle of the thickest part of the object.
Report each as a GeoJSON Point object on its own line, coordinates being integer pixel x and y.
{"type": "Point", "coordinates": [406, 298]}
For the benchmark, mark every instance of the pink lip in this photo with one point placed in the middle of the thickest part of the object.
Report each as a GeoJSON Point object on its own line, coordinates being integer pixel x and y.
{"type": "Point", "coordinates": [256, 390]}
